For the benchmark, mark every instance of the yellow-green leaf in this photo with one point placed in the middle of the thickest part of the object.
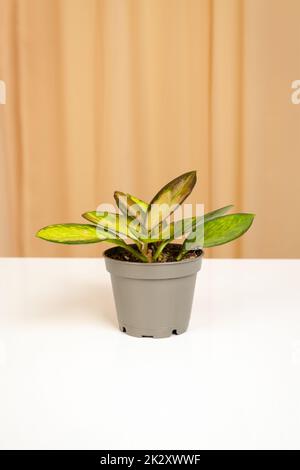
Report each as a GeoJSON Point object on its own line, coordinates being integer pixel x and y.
{"type": "Point", "coordinates": [73, 234]}
{"type": "Point", "coordinates": [131, 205]}
{"type": "Point", "coordinates": [115, 223]}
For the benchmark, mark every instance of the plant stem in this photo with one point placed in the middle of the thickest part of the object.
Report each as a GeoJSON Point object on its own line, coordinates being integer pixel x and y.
{"type": "Point", "coordinates": [160, 248]}
{"type": "Point", "coordinates": [135, 253]}
{"type": "Point", "coordinates": [138, 244]}
{"type": "Point", "coordinates": [145, 249]}
{"type": "Point", "coordinates": [181, 254]}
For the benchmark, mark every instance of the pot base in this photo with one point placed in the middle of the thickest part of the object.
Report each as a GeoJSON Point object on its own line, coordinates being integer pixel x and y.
{"type": "Point", "coordinates": [148, 333]}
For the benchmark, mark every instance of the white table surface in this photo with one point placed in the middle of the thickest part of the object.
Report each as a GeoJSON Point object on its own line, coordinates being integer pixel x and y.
{"type": "Point", "coordinates": [70, 379]}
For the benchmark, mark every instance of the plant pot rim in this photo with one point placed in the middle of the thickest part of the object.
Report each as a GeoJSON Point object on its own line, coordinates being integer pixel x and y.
{"type": "Point", "coordinates": [151, 265]}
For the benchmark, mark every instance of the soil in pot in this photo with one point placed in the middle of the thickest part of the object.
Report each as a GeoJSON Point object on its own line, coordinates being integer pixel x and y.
{"type": "Point", "coordinates": [168, 255]}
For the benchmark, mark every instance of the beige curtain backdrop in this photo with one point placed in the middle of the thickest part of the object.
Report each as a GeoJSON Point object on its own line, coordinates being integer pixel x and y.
{"type": "Point", "coordinates": [127, 94]}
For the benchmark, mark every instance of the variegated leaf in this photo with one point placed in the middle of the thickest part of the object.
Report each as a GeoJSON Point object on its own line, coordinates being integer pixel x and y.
{"type": "Point", "coordinates": [73, 234]}
{"type": "Point", "coordinates": [166, 201]}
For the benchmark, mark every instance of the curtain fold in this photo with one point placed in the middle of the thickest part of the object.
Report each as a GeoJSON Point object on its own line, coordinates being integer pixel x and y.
{"type": "Point", "coordinates": [226, 120]}
{"type": "Point", "coordinates": [127, 94]}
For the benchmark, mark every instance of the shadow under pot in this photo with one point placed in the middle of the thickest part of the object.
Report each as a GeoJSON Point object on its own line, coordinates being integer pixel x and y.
{"type": "Point", "coordinates": [153, 300]}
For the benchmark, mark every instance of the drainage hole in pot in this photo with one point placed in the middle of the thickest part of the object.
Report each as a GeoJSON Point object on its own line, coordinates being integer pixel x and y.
{"type": "Point", "coordinates": [124, 329]}
{"type": "Point", "coordinates": [174, 332]}
{"type": "Point", "coordinates": [146, 336]}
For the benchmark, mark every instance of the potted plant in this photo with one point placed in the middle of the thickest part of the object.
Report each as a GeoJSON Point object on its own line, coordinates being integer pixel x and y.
{"type": "Point", "coordinates": [153, 277]}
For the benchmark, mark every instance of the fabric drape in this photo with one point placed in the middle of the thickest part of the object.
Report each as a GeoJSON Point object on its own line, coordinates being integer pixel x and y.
{"type": "Point", "coordinates": [107, 95]}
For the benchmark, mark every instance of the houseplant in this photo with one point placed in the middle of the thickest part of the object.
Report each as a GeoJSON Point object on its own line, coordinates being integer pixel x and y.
{"type": "Point", "coordinates": [153, 278]}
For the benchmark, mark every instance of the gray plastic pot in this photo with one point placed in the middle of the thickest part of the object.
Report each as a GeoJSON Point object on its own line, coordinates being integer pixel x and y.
{"type": "Point", "coordinates": [153, 299]}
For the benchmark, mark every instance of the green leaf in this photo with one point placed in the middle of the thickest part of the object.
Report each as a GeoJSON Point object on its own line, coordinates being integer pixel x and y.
{"type": "Point", "coordinates": [184, 227]}
{"type": "Point", "coordinates": [226, 228]}
{"type": "Point", "coordinates": [217, 213]}
{"type": "Point", "coordinates": [131, 205]}
{"type": "Point", "coordinates": [217, 231]}
{"type": "Point", "coordinates": [73, 234]}
{"type": "Point", "coordinates": [115, 223]}
{"type": "Point", "coordinates": [169, 198]}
